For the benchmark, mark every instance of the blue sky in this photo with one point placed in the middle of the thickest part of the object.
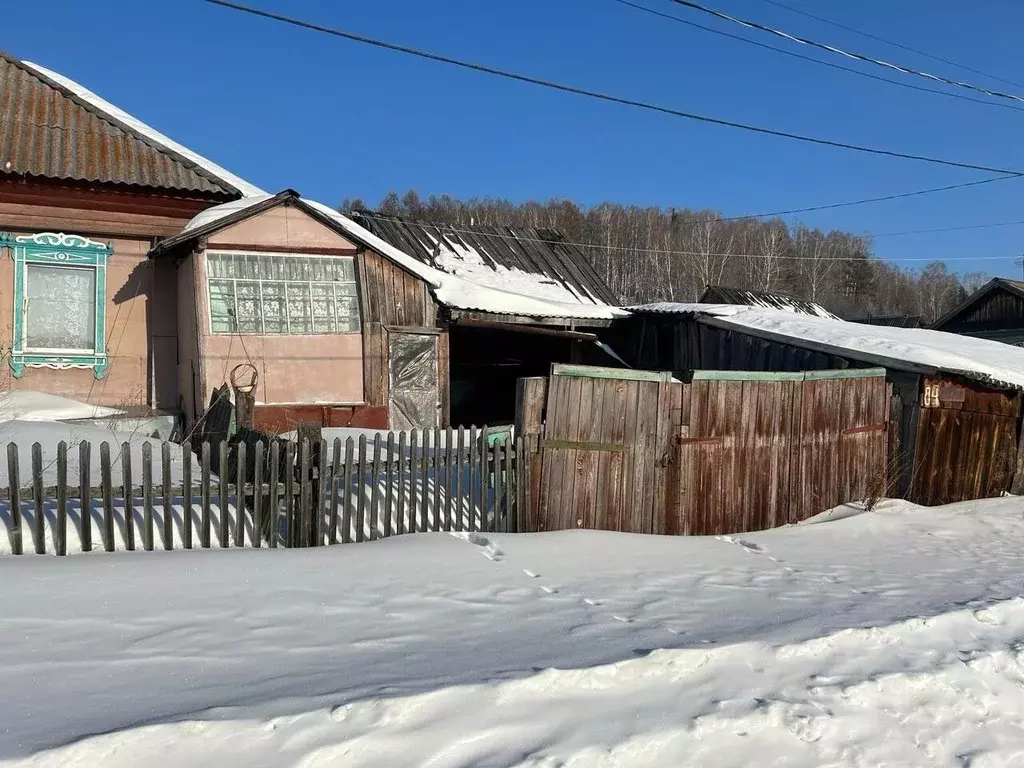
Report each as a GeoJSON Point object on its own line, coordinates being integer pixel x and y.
{"type": "Point", "coordinates": [286, 107]}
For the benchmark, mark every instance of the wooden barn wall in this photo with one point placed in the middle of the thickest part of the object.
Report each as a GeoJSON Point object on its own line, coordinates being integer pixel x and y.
{"type": "Point", "coordinates": [393, 298]}
{"type": "Point", "coordinates": [1000, 309]}
{"type": "Point", "coordinates": [966, 442]}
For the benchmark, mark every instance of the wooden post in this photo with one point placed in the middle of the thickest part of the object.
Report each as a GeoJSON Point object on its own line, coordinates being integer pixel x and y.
{"type": "Point", "coordinates": [147, 496]}
{"type": "Point", "coordinates": [510, 489]}
{"type": "Point", "coordinates": [60, 536]}
{"type": "Point", "coordinates": [107, 493]}
{"type": "Point", "coordinates": [414, 462]}
{"type": "Point", "coordinates": [39, 520]}
{"type": "Point", "coordinates": [240, 472]}
{"type": "Point", "coordinates": [531, 398]}
{"type": "Point", "coordinates": [186, 497]}
{"type": "Point", "coordinates": [14, 490]}
{"type": "Point", "coordinates": [127, 494]}
{"type": "Point", "coordinates": [165, 479]}
{"type": "Point", "coordinates": [84, 469]}
{"type": "Point", "coordinates": [485, 474]}
{"type": "Point", "coordinates": [471, 465]}
{"type": "Point", "coordinates": [257, 495]}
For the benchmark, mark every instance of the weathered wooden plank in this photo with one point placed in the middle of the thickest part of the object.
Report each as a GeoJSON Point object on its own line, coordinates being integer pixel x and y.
{"type": "Point", "coordinates": [346, 492]}
{"type": "Point", "coordinates": [147, 497]}
{"type": "Point", "coordinates": [361, 486]}
{"type": "Point", "coordinates": [553, 465]}
{"type": "Point", "coordinates": [590, 429]}
{"type": "Point", "coordinates": [511, 489]}
{"type": "Point", "coordinates": [459, 471]}
{"type": "Point", "coordinates": [167, 520]}
{"type": "Point", "coordinates": [598, 372]}
{"type": "Point", "coordinates": [437, 456]}
{"type": "Point", "coordinates": [186, 497]}
{"type": "Point", "coordinates": [240, 470]}
{"type": "Point", "coordinates": [321, 479]}
{"type": "Point", "coordinates": [304, 514]}
{"type": "Point", "coordinates": [128, 496]}
{"type": "Point", "coordinates": [84, 470]}
{"type": "Point", "coordinates": [291, 529]}
{"type": "Point", "coordinates": [417, 485]}
{"type": "Point", "coordinates": [107, 497]}
{"type": "Point", "coordinates": [222, 493]}
{"type": "Point", "coordinates": [38, 518]}
{"type": "Point", "coordinates": [485, 482]}
{"type": "Point", "coordinates": [204, 497]}
{"type": "Point", "coordinates": [389, 486]}
{"type": "Point", "coordinates": [14, 491]}
{"type": "Point", "coordinates": [257, 496]}
{"type": "Point", "coordinates": [60, 535]}
{"type": "Point", "coordinates": [446, 458]}
{"type": "Point", "coordinates": [375, 526]}
{"type": "Point", "coordinates": [402, 471]}
{"type": "Point", "coordinates": [273, 505]}
{"type": "Point", "coordinates": [472, 449]}
{"type": "Point", "coordinates": [500, 488]}
{"type": "Point", "coordinates": [333, 491]}
{"type": "Point", "coordinates": [669, 398]}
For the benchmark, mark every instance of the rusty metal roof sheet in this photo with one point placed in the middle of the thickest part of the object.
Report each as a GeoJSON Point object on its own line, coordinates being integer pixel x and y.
{"type": "Point", "coordinates": [48, 131]}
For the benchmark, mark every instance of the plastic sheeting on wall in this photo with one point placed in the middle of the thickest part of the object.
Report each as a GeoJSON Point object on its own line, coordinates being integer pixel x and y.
{"type": "Point", "coordinates": [413, 388]}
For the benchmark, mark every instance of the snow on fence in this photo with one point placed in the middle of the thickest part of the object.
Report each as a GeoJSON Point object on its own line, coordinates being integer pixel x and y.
{"type": "Point", "coordinates": [150, 495]}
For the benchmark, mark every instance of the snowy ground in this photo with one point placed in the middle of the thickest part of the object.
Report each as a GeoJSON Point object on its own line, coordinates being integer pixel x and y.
{"type": "Point", "coordinates": [893, 637]}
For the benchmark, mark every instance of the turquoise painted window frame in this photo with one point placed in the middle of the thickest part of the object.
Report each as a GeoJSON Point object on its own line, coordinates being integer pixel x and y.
{"type": "Point", "coordinates": [56, 249]}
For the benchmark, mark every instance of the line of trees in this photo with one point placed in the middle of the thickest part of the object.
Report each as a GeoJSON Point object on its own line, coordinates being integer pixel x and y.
{"type": "Point", "coordinates": [655, 254]}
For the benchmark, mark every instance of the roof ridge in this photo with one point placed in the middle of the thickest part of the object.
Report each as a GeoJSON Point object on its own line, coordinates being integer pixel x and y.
{"type": "Point", "coordinates": [85, 104]}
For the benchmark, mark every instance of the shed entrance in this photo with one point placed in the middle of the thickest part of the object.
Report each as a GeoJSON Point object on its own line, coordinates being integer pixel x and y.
{"type": "Point", "coordinates": [639, 452]}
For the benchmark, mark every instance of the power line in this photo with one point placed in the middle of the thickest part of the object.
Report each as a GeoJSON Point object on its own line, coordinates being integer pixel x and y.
{"type": "Point", "coordinates": [841, 52]}
{"type": "Point", "coordinates": [988, 225]}
{"type": "Point", "coordinates": [599, 95]}
{"type": "Point", "coordinates": [870, 36]}
{"type": "Point", "coordinates": [446, 228]}
{"type": "Point", "coordinates": [867, 200]}
{"type": "Point", "coordinates": [813, 60]}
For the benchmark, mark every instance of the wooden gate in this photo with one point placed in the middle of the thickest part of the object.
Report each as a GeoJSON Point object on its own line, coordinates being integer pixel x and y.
{"type": "Point", "coordinates": [638, 452]}
{"type": "Point", "coordinates": [759, 450]}
{"type": "Point", "coordinates": [606, 449]}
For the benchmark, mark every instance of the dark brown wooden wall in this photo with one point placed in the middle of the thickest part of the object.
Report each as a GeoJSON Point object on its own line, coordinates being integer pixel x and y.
{"type": "Point", "coordinates": [391, 297]}
{"type": "Point", "coordinates": [966, 442]}
{"type": "Point", "coordinates": [1000, 309]}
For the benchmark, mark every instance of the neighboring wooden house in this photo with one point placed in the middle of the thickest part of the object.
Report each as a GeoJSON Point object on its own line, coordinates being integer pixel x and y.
{"type": "Point", "coordinates": [543, 305]}
{"type": "Point", "coordinates": [719, 294]}
{"type": "Point", "coordinates": [892, 321]}
{"type": "Point", "coordinates": [85, 190]}
{"type": "Point", "coordinates": [956, 401]}
{"type": "Point", "coordinates": [995, 311]}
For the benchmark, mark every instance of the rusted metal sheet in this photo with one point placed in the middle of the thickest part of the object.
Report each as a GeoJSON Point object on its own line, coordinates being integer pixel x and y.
{"type": "Point", "coordinates": [966, 449]}
{"type": "Point", "coordinates": [49, 132]}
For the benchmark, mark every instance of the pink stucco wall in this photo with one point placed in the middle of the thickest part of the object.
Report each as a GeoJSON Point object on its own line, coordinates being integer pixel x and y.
{"type": "Point", "coordinates": [315, 369]}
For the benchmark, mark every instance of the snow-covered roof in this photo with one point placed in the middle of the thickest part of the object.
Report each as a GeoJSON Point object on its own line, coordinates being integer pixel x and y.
{"type": "Point", "coordinates": [718, 294]}
{"type": "Point", "coordinates": [508, 297]}
{"type": "Point", "coordinates": [153, 135]}
{"type": "Point", "coordinates": [987, 361]}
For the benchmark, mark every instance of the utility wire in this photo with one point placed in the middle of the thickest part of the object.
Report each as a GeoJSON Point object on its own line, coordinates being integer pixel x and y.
{"type": "Point", "coordinates": [987, 225]}
{"type": "Point", "coordinates": [870, 36]}
{"type": "Point", "coordinates": [602, 96]}
{"type": "Point", "coordinates": [841, 52]}
{"type": "Point", "coordinates": [829, 64]}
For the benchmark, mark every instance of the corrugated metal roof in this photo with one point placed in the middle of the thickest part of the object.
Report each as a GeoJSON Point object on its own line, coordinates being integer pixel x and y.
{"type": "Point", "coordinates": [540, 252]}
{"type": "Point", "coordinates": [47, 131]}
{"type": "Point", "coordinates": [718, 294]}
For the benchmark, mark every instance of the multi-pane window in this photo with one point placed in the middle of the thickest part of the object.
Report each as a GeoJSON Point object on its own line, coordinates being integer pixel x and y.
{"type": "Point", "coordinates": [60, 308]}
{"type": "Point", "coordinates": [282, 294]}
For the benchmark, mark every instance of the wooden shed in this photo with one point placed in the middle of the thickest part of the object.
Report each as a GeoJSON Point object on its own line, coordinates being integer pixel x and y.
{"type": "Point", "coordinates": [955, 403]}
{"type": "Point", "coordinates": [995, 311]}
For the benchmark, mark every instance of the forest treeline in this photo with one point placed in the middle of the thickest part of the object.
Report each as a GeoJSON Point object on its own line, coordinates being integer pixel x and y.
{"type": "Point", "coordinates": [656, 254]}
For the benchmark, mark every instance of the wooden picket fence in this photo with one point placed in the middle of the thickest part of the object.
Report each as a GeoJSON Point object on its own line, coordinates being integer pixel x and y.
{"type": "Point", "coordinates": [286, 494]}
